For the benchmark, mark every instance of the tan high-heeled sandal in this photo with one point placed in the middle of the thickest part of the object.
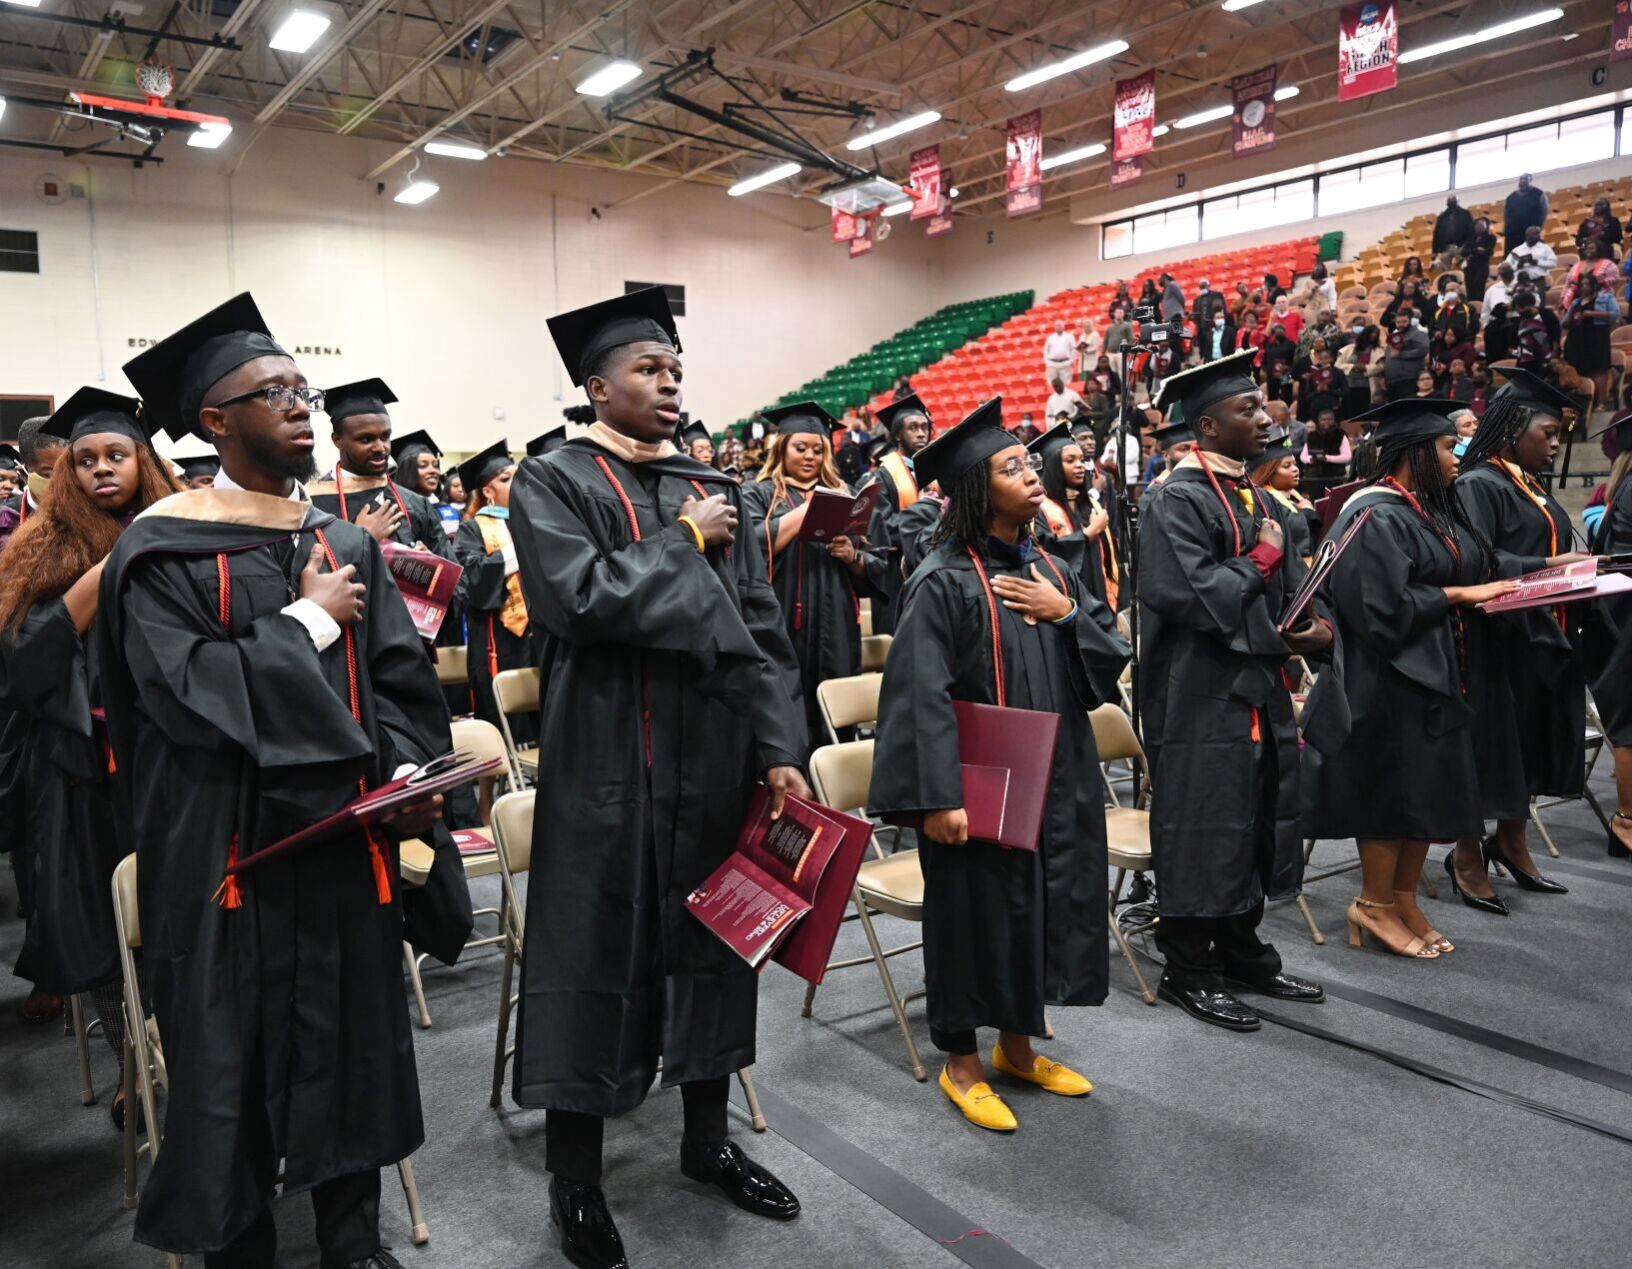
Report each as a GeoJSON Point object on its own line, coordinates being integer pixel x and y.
{"type": "Point", "coordinates": [1432, 937]}
{"type": "Point", "coordinates": [1416, 949]}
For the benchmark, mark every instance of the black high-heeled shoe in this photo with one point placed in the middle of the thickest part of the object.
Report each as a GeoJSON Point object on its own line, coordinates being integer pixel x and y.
{"type": "Point", "coordinates": [1534, 881]}
{"type": "Point", "coordinates": [1493, 904]}
{"type": "Point", "coordinates": [1618, 848]}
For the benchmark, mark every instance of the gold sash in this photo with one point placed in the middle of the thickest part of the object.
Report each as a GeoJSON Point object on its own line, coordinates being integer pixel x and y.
{"type": "Point", "coordinates": [513, 616]}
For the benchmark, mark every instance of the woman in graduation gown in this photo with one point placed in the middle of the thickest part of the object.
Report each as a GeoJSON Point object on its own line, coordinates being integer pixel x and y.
{"type": "Point", "coordinates": [1277, 474]}
{"type": "Point", "coordinates": [1612, 675]}
{"type": "Point", "coordinates": [1517, 439]}
{"type": "Point", "coordinates": [819, 585]}
{"type": "Point", "coordinates": [907, 429]}
{"type": "Point", "coordinates": [1006, 932]}
{"type": "Point", "coordinates": [55, 774]}
{"type": "Point", "coordinates": [1071, 522]}
{"type": "Point", "coordinates": [1390, 724]}
{"type": "Point", "coordinates": [499, 633]}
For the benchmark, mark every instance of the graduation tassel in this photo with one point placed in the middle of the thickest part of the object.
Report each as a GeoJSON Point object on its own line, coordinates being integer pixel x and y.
{"type": "Point", "coordinates": [382, 874]}
{"type": "Point", "coordinates": [229, 894]}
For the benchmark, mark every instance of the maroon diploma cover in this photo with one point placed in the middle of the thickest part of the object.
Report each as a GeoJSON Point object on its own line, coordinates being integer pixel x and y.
{"type": "Point", "coordinates": [836, 515]}
{"type": "Point", "coordinates": [427, 583]}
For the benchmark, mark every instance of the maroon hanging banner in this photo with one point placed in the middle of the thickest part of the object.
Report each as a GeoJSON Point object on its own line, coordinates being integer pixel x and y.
{"type": "Point", "coordinates": [1126, 172]}
{"type": "Point", "coordinates": [862, 243]}
{"type": "Point", "coordinates": [1135, 123]}
{"type": "Point", "coordinates": [926, 182]}
{"type": "Point", "coordinates": [1620, 32]}
{"type": "Point", "coordinates": [941, 222]}
{"type": "Point", "coordinates": [1253, 123]}
{"type": "Point", "coordinates": [845, 226]}
{"type": "Point", "coordinates": [1025, 163]}
{"type": "Point", "coordinates": [1368, 49]}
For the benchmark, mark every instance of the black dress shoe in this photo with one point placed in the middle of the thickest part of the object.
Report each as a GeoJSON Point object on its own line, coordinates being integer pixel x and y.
{"type": "Point", "coordinates": [589, 1239]}
{"type": "Point", "coordinates": [739, 1178]}
{"type": "Point", "coordinates": [1494, 854]}
{"type": "Point", "coordinates": [1492, 904]}
{"type": "Point", "coordinates": [1212, 1005]}
{"type": "Point", "coordinates": [381, 1259]}
{"type": "Point", "coordinates": [1282, 987]}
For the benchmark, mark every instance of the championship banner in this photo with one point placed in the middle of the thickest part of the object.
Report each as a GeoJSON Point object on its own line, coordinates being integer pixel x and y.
{"type": "Point", "coordinates": [941, 222]}
{"type": "Point", "coordinates": [1126, 172]}
{"type": "Point", "coordinates": [1368, 49]}
{"type": "Point", "coordinates": [862, 243]}
{"type": "Point", "coordinates": [845, 226]}
{"type": "Point", "coordinates": [1025, 163]}
{"type": "Point", "coordinates": [926, 182]}
{"type": "Point", "coordinates": [1253, 123]}
{"type": "Point", "coordinates": [1135, 123]}
{"type": "Point", "coordinates": [1620, 32]}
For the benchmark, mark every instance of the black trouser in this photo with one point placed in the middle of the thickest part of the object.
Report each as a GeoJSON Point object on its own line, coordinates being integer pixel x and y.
{"type": "Point", "coordinates": [348, 1226]}
{"type": "Point", "coordinates": [1202, 951]}
{"type": "Point", "coordinates": [572, 1139]}
{"type": "Point", "coordinates": [956, 1043]}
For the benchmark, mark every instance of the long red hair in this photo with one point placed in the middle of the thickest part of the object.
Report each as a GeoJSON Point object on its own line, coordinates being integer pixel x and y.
{"type": "Point", "coordinates": [69, 534]}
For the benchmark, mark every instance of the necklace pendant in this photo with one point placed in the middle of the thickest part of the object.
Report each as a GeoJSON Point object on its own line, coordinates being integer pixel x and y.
{"type": "Point", "coordinates": [1030, 620]}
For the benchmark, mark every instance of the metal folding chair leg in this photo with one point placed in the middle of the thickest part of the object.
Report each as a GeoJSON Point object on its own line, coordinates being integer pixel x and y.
{"type": "Point", "coordinates": [747, 1082]}
{"type": "Point", "coordinates": [1552, 849]}
{"type": "Point", "coordinates": [918, 1071]}
{"type": "Point", "coordinates": [418, 1230]}
{"type": "Point", "coordinates": [1309, 920]}
{"type": "Point", "coordinates": [128, 1083]}
{"type": "Point", "coordinates": [1127, 952]}
{"type": "Point", "coordinates": [412, 962]}
{"type": "Point", "coordinates": [76, 1018]}
{"type": "Point", "coordinates": [501, 1047]}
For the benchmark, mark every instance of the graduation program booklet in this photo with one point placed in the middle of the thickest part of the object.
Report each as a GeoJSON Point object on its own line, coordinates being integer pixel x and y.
{"type": "Point", "coordinates": [771, 880]}
{"type": "Point", "coordinates": [1561, 584]}
{"type": "Point", "coordinates": [837, 515]}
{"type": "Point", "coordinates": [1331, 550]}
{"type": "Point", "coordinates": [427, 583]}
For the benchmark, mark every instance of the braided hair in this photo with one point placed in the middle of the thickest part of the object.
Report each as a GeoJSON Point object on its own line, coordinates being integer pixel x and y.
{"type": "Point", "coordinates": [1503, 422]}
{"type": "Point", "coordinates": [967, 517]}
{"type": "Point", "coordinates": [1434, 494]}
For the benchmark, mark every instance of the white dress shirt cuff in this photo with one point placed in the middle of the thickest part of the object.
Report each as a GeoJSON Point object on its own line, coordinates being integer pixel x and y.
{"type": "Point", "coordinates": [511, 564]}
{"type": "Point", "coordinates": [323, 628]}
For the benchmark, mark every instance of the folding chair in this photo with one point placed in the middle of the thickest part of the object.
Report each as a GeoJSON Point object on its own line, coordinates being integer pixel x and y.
{"type": "Point", "coordinates": [452, 667]}
{"type": "Point", "coordinates": [1594, 749]}
{"type": "Point", "coordinates": [848, 702]}
{"type": "Point", "coordinates": [891, 885]}
{"type": "Point", "coordinates": [874, 648]}
{"type": "Point", "coordinates": [516, 692]}
{"type": "Point", "coordinates": [476, 852]}
{"type": "Point", "coordinates": [1127, 829]}
{"type": "Point", "coordinates": [80, 1031]}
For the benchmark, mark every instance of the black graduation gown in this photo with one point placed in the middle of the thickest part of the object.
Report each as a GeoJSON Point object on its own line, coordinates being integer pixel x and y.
{"type": "Point", "coordinates": [282, 1019]}
{"type": "Point", "coordinates": [1546, 674]}
{"type": "Point", "coordinates": [58, 803]}
{"type": "Point", "coordinates": [490, 645]}
{"type": "Point", "coordinates": [820, 598]}
{"type": "Point", "coordinates": [914, 528]}
{"type": "Point", "coordinates": [1005, 931]}
{"type": "Point", "coordinates": [1612, 668]}
{"type": "Point", "coordinates": [1086, 556]}
{"type": "Point", "coordinates": [884, 536]}
{"type": "Point", "coordinates": [1389, 723]}
{"type": "Point", "coordinates": [668, 687]}
{"type": "Point", "coordinates": [1224, 821]}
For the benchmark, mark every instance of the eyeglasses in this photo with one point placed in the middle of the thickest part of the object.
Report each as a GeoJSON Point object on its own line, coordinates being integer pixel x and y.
{"type": "Point", "coordinates": [1012, 468]}
{"type": "Point", "coordinates": [278, 397]}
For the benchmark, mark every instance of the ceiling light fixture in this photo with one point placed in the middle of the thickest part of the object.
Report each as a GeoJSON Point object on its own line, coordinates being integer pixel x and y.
{"type": "Point", "coordinates": [610, 78]}
{"type": "Point", "coordinates": [1288, 92]}
{"type": "Point", "coordinates": [1071, 156]}
{"type": "Point", "coordinates": [23, 4]}
{"type": "Point", "coordinates": [771, 176]}
{"type": "Point", "coordinates": [1099, 53]}
{"type": "Point", "coordinates": [455, 150]}
{"type": "Point", "coordinates": [1480, 37]}
{"type": "Point", "coordinates": [2, 107]}
{"type": "Point", "coordinates": [910, 124]}
{"type": "Point", "coordinates": [416, 192]}
{"type": "Point", "coordinates": [299, 31]}
{"type": "Point", "coordinates": [210, 136]}
{"type": "Point", "coordinates": [898, 209]}
{"type": "Point", "coordinates": [1232, 6]}
{"type": "Point", "coordinates": [1161, 130]}
{"type": "Point", "coordinates": [1204, 116]}
{"type": "Point", "coordinates": [953, 192]}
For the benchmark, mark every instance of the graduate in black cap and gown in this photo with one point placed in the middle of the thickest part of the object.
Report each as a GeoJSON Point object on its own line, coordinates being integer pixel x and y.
{"type": "Point", "coordinates": [1214, 576]}
{"type": "Point", "coordinates": [498, 629]}
{"type": "Point", "coordinates": [820, 585]}
{"type": "Point", "coordinates": [12, 472]}
{"type": "Point", "coordinates": [198, 471]}
{"type": "Point", "coordinates": [1391, 724]}
{"type": "Point", "coordinates": [547, 442]}
{"type": "Point", "coordinates": [1071, 522]}
{"type": "Point", "coordinates": [1517, 440]}
{"type": "Point", "coordinates": [1006, 932]}
{"type": "Point", "coordinates": [1612, 671]}
{"type": "Point", "coordinates": [39, 452]}
{"type": "Point", "coordinates": [908, 426]}
{"type": "Point", "coordinates": [56, 783]}
{"type": "Point", "coordinates": [668, 690]}
{"type": "Point", "coordinates": [696, 442]}
{"type": "Point", "coordinates": [258, 673]}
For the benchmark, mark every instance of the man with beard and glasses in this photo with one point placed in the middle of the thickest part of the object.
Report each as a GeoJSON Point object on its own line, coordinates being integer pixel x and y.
{"type": "Point", "coordinates": [258, 673]}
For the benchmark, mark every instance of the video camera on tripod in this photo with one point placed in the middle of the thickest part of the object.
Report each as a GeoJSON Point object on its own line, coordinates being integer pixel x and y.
{"type": "Point", "coordinates": [1151, 330]}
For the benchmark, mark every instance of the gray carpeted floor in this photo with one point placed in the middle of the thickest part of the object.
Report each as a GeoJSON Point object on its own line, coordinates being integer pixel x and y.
{"type": "Point", "coordinates": [1198, 1147]}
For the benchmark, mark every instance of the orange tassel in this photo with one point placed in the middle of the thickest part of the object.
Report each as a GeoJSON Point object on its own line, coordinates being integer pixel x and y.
{"type": "Point", "coordinates": [382, 874]}
{"type": "Point", "coordinates": [230, 894]}
{"type": "Point", "coordinates": [1257, 734]}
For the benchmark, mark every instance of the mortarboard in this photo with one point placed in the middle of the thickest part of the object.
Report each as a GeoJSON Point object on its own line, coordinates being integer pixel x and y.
{"type": "Point", "coordinates": [585, 335]}
{"type": "Point", "coordinates": [92, 410]}
{"type": "Point", "coordinates": [1207, 384]}
{"type": "Point", "coordinates": [400, 445]}
{"type": "Point", "coordinates": [1174, 434]}
{"type": "Point", "coordinates": [874, 448]}
{"type": "Point", "coordinates": [174, 376]}
{"type": "Point", "coordinates": [9, 457]}
{"type": "Point", "coordinates": [899, 411]}
{"type": "Point", "coordinates": [693, 432]}
{"type": "Point", "coordinates": [548, 443]}
{"type": "Point", "coordinates": [477, 470]}
{"type": "Point", "coordinates": [802, 417]}
{"type": "Point", "coordinates": [366, 396]}
{"type": "Point", "coordinates": [959, 448]}
{"type": "Point", "coordinates": [1409, 421]}
{"type": "Point", "coordinates": [1279, 447]}
{"type": "Point", "coordinates": [1615, 437]}
{"type": "Point", "coordinates": [1052, 441]}
{"type": "Point", "coordinates": [1531, 389]}
{"type": "Point", "coordinates": [196, 465]}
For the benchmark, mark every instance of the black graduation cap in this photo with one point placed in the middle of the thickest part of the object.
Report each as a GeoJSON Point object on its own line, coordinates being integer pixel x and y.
{"type": "Point", "coordinates": [1205, 385]}
{"type": "Point", "coordinates": [899, 411]}
{"type": "Point", "coordinates": [802, 417]}
{"type": "Point", "coordinates": [366, 396]}
{"type": "Point", "coordinates": [1398, 425]}
{"type": "Point", "coordinates": [1615, 437]}
{"type": "Point", "coordinates": [1053, 440]}
{"type": "Point", "coordinates": [196, 465]}
{"type": "Point", "coordinates": [9, 457]}
{"type": "Point", "coordinates": [1279, 447]}
{"type": "Point", "coordinates": [476, 471]}
{"type": "Point", "coordinates": [693, 432]}
{"type": "Point", "coordinates": [585, 335]}
{"type": "Point", "coordinates": [400, 445]}
{"type": "Point", "coordinates": [1174, 434]}
{"type": "Point", "coordinates": [550, 441]}
{"type": "Point", "coordinates": [93, 410]}
{"type": "Point", "coordinates": [175, 374]}
{"type": "Point", "coordinates": [874, 448]}
{"type": "Point", "coordinates": [1531, 389]}
{"type": "Point", "coordinates": [961, 447]}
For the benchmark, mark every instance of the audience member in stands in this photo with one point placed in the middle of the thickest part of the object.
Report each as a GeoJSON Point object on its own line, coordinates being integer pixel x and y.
{"type": "Point", "coordinates": [1063, 399]}
{"type": "Point", "coordinates": [903, 387]}
{"type": "Point", "coordinates": [1277, 363]}
{"type": "Point", "coordinates": [1090, 343]}
{"type": "Point", "coordinates": [1501, 334]}
{"type": "Point", "coordinates": [1533, 345]}
{"type": "Point", "coordinates": [1172, 305]}
{"type": "Point", "coordinates": [1321, 384]}
{"type": "Point", "coordinates": [1101, 409]}
{"type": "Point", "coordinates": [729, 460]}
{"type": "Point", "coordinates": [1240, 302]}
{"type": "Point", "coordinates": [1402, 361]}
{"type": "Point", "coordinates": [1532, 259]}
{"type": "Point", "coordinates": [1207, 302]}
{"type": "Point", "coordinates": [1361, 362]}
{"type": "Point", "coordinates": [1498, 292]}
{"type": "Point", "coordinates": [1272, 291]}
{"type": "Point", "coordinates": [1412, 269]}
{"type": "Point", "coordinates": [1447, 350]}
{"type": "Point", "coordinates": [1150, 295]}
{"type": "Point", "coordinates": [1250, 334]}
{"type": "Point", "coordinates": [1283, 422]}
{"type": "Point", "coordinates": [1409, 295]}
{"type": "Point", "coordinates": [1106, 378]}
{"type": "Point", "coordinates": [1453, 234]}
{"type": "Point", "coordinates": [1454, 315]}
{"type": "Point", "coordinates": [1476, 263]}
{"type": "Point", "coordinates": [1217, 337]}
{"type": "Point", "coordinates": [1282, 312]}
{"type": "Point", "coordinates": [1525, 209]}
{"type": "Point", "coordinates": [1325, 450]}
{"type": "Point", "coordinates": [1323, 329]}
{"type": "Point", "coordinates": [1588, 319]}
{"type": "Point", "coordinates": [1602, 228]}
{"type": "Point", "coordinates": [1595, 263]}
{"type": "Point", "coordinates": [1466, 423]}
{"type": "Point", "coordinates": [1324, 290]}
{"type": "Point", "coordinates": [1026, 431]}
{"type": "Point", "coordinates": [1460, 385]}
{"type": "Point", "coordinates": [1059, 354]}
{"type": "Point", "coordinates": [1425, 385]}
{"type": "Point", "coordinates": [1120, 331]}
{"type": "Point", "coordinates": [1123, 299]}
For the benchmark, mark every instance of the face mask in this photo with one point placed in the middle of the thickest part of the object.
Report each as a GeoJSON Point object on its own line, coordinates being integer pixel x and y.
{"type": "Point", "coordinates": [1450, 297]}
{"type": "Point", "coordinates": [1358, 328]}
{"type": "Point", "coordinates": [1218, 322]}
{"type": "Point", "coordinates": [1415, 322]}
{"type": "Point", "coordinates": [37, 485]}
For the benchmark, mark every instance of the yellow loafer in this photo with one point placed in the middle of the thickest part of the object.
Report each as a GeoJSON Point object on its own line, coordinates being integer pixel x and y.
{"type": "Point", "coordinates": [1051, 1077]}
{"type": "Point", "coordinates": [980, 1106]}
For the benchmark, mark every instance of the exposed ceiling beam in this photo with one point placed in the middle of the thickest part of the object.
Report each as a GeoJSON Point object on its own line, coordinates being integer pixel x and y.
{"type": "Point", "coordinates": [435, 54]}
